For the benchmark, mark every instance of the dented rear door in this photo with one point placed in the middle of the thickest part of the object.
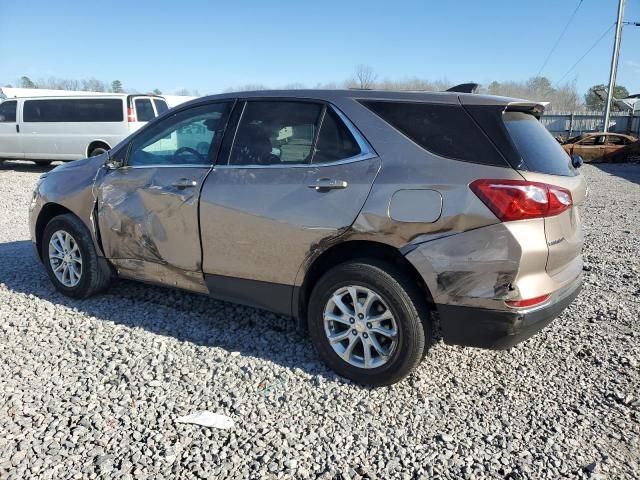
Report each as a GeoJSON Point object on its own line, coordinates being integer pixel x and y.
{"type": "Point", "coordinates": [148, 209]}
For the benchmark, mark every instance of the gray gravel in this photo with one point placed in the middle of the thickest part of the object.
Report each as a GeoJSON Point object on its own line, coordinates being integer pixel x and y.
{"type": "Point", "coordinates": [91, 389]}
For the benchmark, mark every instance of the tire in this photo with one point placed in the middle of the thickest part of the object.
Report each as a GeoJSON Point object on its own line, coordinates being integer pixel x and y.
{"type": "Point", "coordinates": [92, 278]}
{"type": "Point", "coordinates": [97, 151]}
{"type": "Point", "coordinates": [398, 295]}
{"type": "Point", "coordinates": [43, 163]}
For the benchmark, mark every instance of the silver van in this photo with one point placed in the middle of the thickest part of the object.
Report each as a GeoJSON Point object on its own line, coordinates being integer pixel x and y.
{"type": "Point", "coordinates": [43, 129]}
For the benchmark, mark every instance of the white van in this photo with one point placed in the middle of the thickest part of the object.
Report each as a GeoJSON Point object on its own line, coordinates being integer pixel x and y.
{"type": "Point", "coordinates": [43, 129]}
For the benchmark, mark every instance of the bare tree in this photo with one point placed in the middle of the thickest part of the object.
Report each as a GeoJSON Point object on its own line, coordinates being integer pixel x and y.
{"type": "Point", "coordinates": [365, 76]}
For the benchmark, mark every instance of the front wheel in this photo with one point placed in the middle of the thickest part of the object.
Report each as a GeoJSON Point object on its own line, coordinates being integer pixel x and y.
{"type": "Point", "coordinates": [70, 258]}
{"type": "Point", "coordinates": [369, 322]}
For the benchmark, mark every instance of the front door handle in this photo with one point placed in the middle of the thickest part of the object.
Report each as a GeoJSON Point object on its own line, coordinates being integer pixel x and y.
{"type": "Point", "coordinates": [185, 183]}
{"type": "Point", "coordinates": [326, 184]}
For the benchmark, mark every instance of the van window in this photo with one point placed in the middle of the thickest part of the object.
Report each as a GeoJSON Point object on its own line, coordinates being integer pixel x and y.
{"type": "Point", "coordinates": [8, 111]}
{"type": "Point", "coordinates": [446, 130]}
{"type": "Point", "coordinates": [161, 106]}
{"type": "Point", "coordinates": [539, 150]}
{"type": "Point", "coordinates": [275, 132]}
{"type": "Point", "coordinates": [74, 110]}
{"type": "Point", "coordinates": [144, 110]}
{"type": "Point", "coordinates": [335, 141]}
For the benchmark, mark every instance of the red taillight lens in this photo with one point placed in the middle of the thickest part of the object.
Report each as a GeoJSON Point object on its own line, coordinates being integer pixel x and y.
{"type": "Point", "coordinates": [131, 115]}
{"type": "Point", "coordinates": [530, 302]}
{"type": "Point", "coordinates": [519, 200]}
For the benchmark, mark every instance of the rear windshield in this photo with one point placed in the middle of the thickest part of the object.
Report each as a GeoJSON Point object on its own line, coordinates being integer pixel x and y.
{"type": "Point", "coordinates": [446, 130]}
{"type": "Point", "coordinates": [144, 110]}
{"type": "Point", "coordinates": [161, 106]}
{"type": "Point", "coordinates": [539, 150]}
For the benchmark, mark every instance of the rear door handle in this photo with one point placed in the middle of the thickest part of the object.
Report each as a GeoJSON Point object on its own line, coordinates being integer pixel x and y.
{"type": "Point", "coordinates": [326, 184]}
{"type": "Point", "coordinates": [185, 183]}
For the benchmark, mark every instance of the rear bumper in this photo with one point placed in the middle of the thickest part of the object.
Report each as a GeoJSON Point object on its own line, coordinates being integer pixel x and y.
{"type": "Point", "coordinates": [501, 329]}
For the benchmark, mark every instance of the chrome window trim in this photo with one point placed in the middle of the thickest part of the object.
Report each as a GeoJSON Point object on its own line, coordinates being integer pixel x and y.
{"type": "Point", "coordinates": [357, 158]}
{"type": "Point", "coordinates": [186, 165]}
{"type": "Point", "coordinates": [366, 150]}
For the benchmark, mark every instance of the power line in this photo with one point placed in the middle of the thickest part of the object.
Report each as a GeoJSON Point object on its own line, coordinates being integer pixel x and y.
{"type": "Point", "coordinates": [555, 45]}
{"type": "Point", "coordinates": [587, 52]}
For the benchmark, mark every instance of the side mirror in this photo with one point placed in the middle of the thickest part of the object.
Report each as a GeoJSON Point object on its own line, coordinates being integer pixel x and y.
{"type": "Point", "coordinates": [113, 164]}
{"type": "Point", "coordinates": [576, 160]}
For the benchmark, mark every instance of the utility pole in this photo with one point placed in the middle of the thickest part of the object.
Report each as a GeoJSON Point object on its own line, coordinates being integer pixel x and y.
{"type": "Point", "coordinates": [614, 65]}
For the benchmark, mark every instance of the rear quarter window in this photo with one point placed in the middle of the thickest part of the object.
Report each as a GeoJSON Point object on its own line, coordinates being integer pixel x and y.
{"type": "Point", "coordinates": [540, 152]}
{"type": "Point", "coordinates": [446, 130]}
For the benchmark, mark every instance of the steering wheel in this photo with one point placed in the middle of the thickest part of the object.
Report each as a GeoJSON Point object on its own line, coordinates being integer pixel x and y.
{"type": "Point", "coordinates": [190, 150]}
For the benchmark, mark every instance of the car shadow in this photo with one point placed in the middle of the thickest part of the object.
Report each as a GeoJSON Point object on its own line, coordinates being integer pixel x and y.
{"type": "Point", "coordinates": [187, 317]}
{"type": "Point", "coordinates": [628, 170]}
{"type": "Point", "coordinates": [25, 166]}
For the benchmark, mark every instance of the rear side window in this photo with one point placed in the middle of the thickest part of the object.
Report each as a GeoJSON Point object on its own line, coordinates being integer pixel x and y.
{"type": "Point", "coordinates": [144, 110]}
{"type": "Point", "coordinates": [539, 150]}
{"type": "Point", "coordinates": [74, 110]}
{"type": "Point", "coordinates": [275, 132]}
{"type": "Point", "coordinates": [8, 112]}
{"type": "Point", "coordinates": [446, 130]}
{"type": "Point", "coordinates": [335, 141]}
{"type": "Point", "coordinates": [161, 106]}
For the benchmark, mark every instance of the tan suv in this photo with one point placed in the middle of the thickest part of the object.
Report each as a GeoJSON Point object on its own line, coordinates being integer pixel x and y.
{"type": "Point", "coordinates": [359, 213]}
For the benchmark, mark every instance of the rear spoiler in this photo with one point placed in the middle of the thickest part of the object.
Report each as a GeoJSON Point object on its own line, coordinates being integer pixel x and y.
{"type": "Point", "coordinates": [534, 108]}
{"type": "Point", "coordinates": [505, 104]}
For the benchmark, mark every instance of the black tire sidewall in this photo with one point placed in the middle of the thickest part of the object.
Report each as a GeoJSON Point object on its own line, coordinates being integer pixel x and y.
{"type": "Point", "coordinates": [83, 287]}
{"type": "Point", "coordinates": [93, 154]}
{"type": "Point", "coordinates": [393, 292]}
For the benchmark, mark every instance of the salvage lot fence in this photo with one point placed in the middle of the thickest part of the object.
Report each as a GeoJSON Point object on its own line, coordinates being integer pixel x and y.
{"type": "Point", "coordinates": [569, 124]}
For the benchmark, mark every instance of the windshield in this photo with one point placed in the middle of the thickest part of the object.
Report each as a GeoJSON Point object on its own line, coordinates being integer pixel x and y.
{"type": "Point", "coordinates": [539, 150]}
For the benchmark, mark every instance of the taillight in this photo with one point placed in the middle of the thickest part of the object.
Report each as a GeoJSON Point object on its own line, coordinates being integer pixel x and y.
{"type": "Point", "coordinates": [530, 302]}
{"type": "Point", "coordinates": [519, 200]}
{"type": "Point", "coordinates": [131, 115]}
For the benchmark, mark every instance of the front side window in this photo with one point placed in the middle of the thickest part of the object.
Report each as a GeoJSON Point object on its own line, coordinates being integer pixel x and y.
{"type": "Point", "coordinates": [588, 141]}
{"type": "Point", "coordinates": [335, 141]}
{"type": "Point", "coordinates": [74, 110]}
{"type": "Point", "coordinates": [8, 112]}
{"type": "Point", "coordinates": [144, 110]}
{"type": "Point", "coordinates": [275, 132]}
{"type": "Point", "coordinates": [188, 137]}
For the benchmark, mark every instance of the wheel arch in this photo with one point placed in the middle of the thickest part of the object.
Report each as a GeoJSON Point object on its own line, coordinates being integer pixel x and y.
{"type": "Point", "coordinates": [48, 211]}
{"type": "Point", "coordinates": [96, 143]}
{"type": "Point", "coordinates": [344, 252]}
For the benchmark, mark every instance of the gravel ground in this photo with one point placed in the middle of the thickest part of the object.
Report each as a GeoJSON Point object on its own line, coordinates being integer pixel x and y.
{"type": "Point", "coordinates": [92, 389]}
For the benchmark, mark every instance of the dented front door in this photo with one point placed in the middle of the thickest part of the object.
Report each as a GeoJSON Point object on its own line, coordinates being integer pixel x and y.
{"type": "Point", "coordinates": [148, 209]}
{"type": "Point", "coordinates": [148, 220]}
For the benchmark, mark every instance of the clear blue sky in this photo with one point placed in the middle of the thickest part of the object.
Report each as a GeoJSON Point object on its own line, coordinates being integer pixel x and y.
{"type": "Point", "coordinates": [213, 45]}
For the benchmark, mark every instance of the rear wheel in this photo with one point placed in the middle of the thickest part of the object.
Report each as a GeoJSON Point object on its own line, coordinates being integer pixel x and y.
{"type": "Point", "coordinates": [369, 322]}
{"type": "Point", "coordinates": [99, 150]}
{"type": "Point", "coordinates": [70, 258]}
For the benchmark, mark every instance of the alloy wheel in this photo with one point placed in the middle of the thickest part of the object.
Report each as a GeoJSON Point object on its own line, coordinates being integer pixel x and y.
{"type": "Point", "coordinates": [65, 258]}
{"type": "Point", "coordinates": [360, 327]}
